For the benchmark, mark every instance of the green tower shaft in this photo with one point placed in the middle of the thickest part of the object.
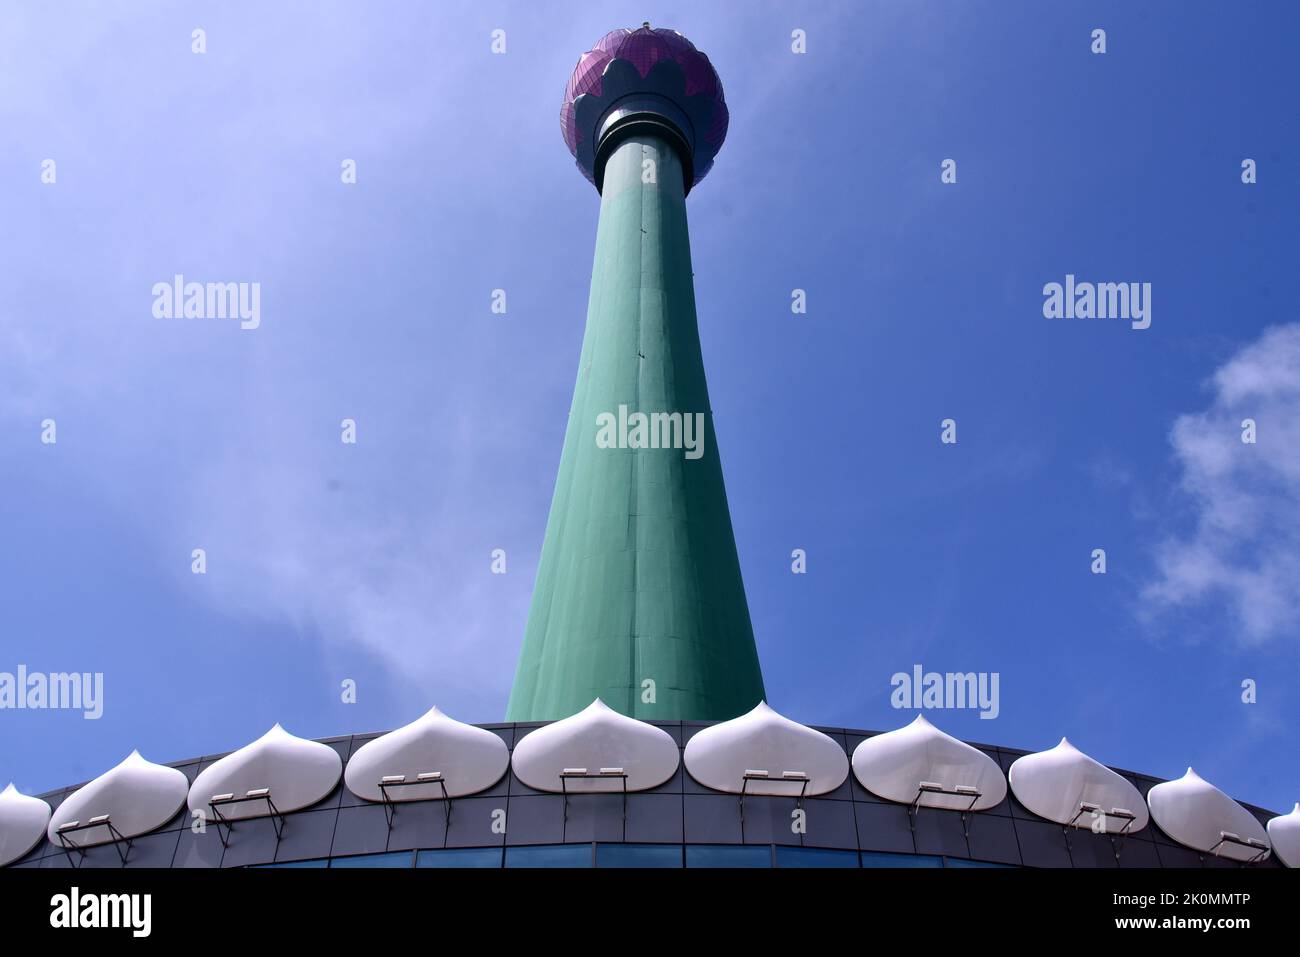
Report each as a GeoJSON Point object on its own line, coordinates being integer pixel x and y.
{"type": "Point", "coordinates": [639, 599]}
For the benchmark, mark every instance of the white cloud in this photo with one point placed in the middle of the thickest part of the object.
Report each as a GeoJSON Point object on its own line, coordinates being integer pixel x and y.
{"type": "Point", "coordinates": [1245, 548]}
{"type": "Point", "coordinates": [405, 580]}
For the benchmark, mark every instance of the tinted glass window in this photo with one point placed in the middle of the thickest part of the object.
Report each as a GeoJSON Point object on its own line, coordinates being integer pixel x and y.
{"type": "Point", "coordinates": [395, 859]}
{"type": "Point", "coordinates": [549, 855]}
{"type": "Point", "coordinates": [638, 855]}
{"type": "Point", "coordinates": [962, 862]}
{"type": "Point", "coordinates": [814, 857]}
{"type": "Point", "coordinates": [460, 857]}
{"type": "Point", "coordinates": [728, 855]}
{"type": "Point", "coordinates": [319, 862]}
{"type": "Point", "coordinates": [876, 859]}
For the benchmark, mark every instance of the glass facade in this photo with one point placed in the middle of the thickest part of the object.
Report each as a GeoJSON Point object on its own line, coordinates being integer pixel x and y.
{"type": "Point", "coordinates": [638, 855]}
{"type": "Point", "coordinates": [460, 857]}
{"type": "Point", "coordinates": [815, 857]}
{"type": "Point", "coordinates": [396, 859]}
{"type": "Point", "coordinates": [728, 855]}
{"type": "Point", "coordinates": [870, 859]}
{"type": "Point", "coordinates": [550, 855]}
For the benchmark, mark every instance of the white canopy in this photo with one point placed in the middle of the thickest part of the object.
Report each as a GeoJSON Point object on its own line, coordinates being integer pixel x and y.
{"type": "Point", "coordinates": [1194, 812]}
{"type": "Point", "coordinates": [764, 742]}
{"type": "Point", "coordinates": [137, 796]}
{"type": "Point", "coordinates": [297, 773]}
{"type": "Point", "coordinates": [900, 765]}
{"type": "Point", "coordinates": [1284, 835]}
{"type": "Point", "coordinates": [465, 758]}
{"type": "Point", "coordinates": [1066, 786]}
{"type": "Point", "coordinates": [601, 743]}
{"type": "Point", "coordinates": [22, 823]}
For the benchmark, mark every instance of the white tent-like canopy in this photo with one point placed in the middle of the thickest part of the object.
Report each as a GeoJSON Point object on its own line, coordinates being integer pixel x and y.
{"type": "Point", "coordinates": [432, 752]}
{"type": "Point", "coordinates": [22, 823]}
{"type": "Point", "coordinates": [921, 764]}
{"type": "Point", "coordinates": [593, 750]}
{"type": "Point", "coordinates": [763, 752]}
{"type": "Point", "coordinates": [1284, 835]}
{"type": "Point", "coordinates": [134, 797]}
{"type": "Point", "coordinates": [1066, 786]}
{"type": "Point", "coordinates": [1194, 812]}
{"type": "Point", "coordinates": [293, 772]}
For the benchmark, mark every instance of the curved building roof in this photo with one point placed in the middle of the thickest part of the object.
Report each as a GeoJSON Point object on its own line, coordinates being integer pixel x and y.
{"type": "Point", "coordinates": [505, 784]}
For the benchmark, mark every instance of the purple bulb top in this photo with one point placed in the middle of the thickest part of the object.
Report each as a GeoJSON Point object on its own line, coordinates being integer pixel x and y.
{"type": "Point", "coordinates": [644, 48]}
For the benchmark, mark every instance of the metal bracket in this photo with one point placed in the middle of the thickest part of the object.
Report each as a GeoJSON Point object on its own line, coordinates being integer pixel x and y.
{"type": "Point", "coordinates": [219, 801]}
{"type": "Point", "coordinates": [789, 777]}
{"type": "Point", "coordinates": [101, 820]}
{"type": "Point", "coordinates": [399, 781]}
{"type": "Point", "coordinates": [1227, 837]}
{"type": "Point", "coordinates": [961, 790]}
{"type": "Point", "coordinates": [1116, 847]}
{"type": "Point", "coordinates": [568, 774]}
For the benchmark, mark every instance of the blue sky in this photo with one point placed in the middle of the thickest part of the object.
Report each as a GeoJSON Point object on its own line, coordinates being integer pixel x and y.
{"type": "Point", "coordinates": [372, 562]}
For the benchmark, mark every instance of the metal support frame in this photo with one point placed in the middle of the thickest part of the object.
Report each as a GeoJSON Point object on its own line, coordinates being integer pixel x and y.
{"type": "Point", "coordinates": [961, 790]}
{"type": "Point", "coordinates": [1116, 847]}
{"type": "Point", "coordinates": [390, 806]}
{"type": "Point", "coordinates": [606, 774]}
{"type": "Point", "coordinates": [219, 801]}
{"type": "Point", "coordinates": [99, 821]}
{"type": "Point", "coordinates": [787, 777]}
{"type": "Point", "coordinates": [1227, 837]}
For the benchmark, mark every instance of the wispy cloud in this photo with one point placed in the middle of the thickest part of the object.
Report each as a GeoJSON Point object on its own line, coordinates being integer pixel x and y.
{"type": "Point", "coordinates": [1244, 550]}
{"type": "Point", "coordinates": [406, 582]}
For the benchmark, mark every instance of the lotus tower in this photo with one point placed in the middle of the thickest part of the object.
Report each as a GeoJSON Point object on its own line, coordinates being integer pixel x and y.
{"type": "Point", "coordinates": [639, 599]}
